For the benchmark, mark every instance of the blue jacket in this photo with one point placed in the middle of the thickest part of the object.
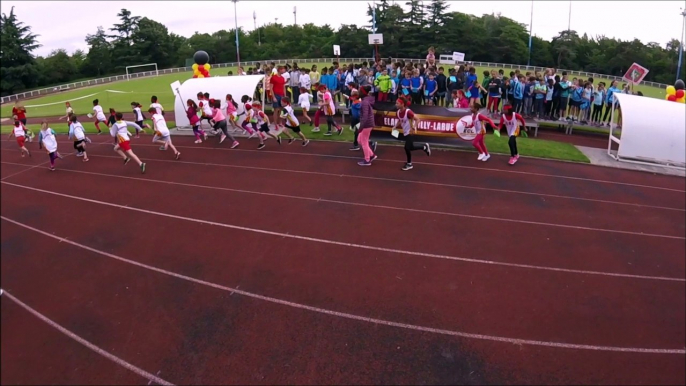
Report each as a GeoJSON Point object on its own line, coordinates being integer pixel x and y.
{"type": "Point", "coordinates": [355, 110]}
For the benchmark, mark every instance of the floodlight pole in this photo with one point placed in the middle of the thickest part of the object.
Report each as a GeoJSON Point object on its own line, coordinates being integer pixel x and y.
{"type": "Point", "coordinates": [569, 22]}
{"type": "Point", "coordinates": [681, 45]}
{"type": "Point", "coordinates": [531, 26]}
{"type": "Point", "coordinates": [254, 18]}
{"type": "Point", "coordinates": [235, 14]}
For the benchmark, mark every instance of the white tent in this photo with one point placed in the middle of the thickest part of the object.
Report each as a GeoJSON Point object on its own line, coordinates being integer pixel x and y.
{"type": "Point", "coordinates": [653, 131]}
{"type": "Point", "coordinates": [217, 87]}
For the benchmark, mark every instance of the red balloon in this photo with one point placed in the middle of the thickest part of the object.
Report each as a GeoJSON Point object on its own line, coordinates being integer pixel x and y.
{"type": "Point", "coordinates": [679, 94]}
{"type": "Point", "coordinates": [671, 98]}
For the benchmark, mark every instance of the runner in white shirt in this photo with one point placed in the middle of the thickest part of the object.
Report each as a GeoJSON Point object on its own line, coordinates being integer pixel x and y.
{"type": "Point", "coordinates": [162, 134]}
{"type": "Point", "coordinates": [158, 107]}
{"type": "Point", "coordinates": [77, 132]}
{"type": "Point", "coordinates": [99, 115]}
{"type": "Point", "coordinates": [69, 111]}
{"type": "Point", "coordinates": [304, 102]}
{"type": "Point", "coordinates": [138, 117]}
{"type": "Point", "coordinates": [47, 140]}
{"type": "Point", "coordinates": [291, 122]}
{"type": "Point", "coordinates": [18, 132]}
{"type": "Point", "coordinates": [120, 132]}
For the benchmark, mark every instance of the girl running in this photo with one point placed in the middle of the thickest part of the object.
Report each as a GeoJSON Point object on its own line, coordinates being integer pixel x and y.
{"type": "Point", "coordinates": [231, 112]}
{"type": "Point", "coordinates": [192, 114]}
{"type": "Point", "coordinates": [69, 111]}
{"type": "Point", "coordinates": [27, 133]}
{"type": "Point", "coordinates": [18, 132]}
{"type": "Point", "coordinates": [47, 139]}
{"type": "Point", "coordinates": [320, 107]}
{"type": "Point", "coordinates": [220, 124]}
{"type": "Point", "coordinates": [304, 102]}
{"type": "Point", "coordinates": [162, 134]}
{"type": "Point", "coordinates": [120, 132]}
{"type": "Point", "coordinates": [262, 121]}
{"type": "Point", "coordinates": [329, 110]}
{"type": "Point", "coordinates": [112, 118]}
{"type": "Point", "coordinates": [366, 124]}
{"type": "Point", "coordinates": [77, 132]}
{"type": "Point", "coordinates": [249, 122]}
{"type": "Point", "coordinates": [478, 121]}
{"type": "Point", "coordinates": [138, 117]}
{"type": "Point", "coordinates": [155, 105]}
{"type": "Point", "coordinates": [509, 120]}
{"type": "Point", "coordinates": [408, 122]}
{"type": "Point", "coordinates": [291, 122]}
{"type": "Point", "coordinates": [355, 106]}
{"type": "Point", "coordinates": [99, 115]}
{"type": "Point", "coordinates": [206, 110]}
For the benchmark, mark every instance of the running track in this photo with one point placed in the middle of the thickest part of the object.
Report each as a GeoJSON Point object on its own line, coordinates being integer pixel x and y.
{"type": "Point", "coordinates": [294, 265]}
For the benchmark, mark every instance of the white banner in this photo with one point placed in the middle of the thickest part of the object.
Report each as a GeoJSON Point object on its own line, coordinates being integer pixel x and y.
{"type": "Point", "coordinates": [337, 50]}
{"type": "Point", "coordinates": [375, 38]}
{"type": "Point", "coordinates": [458, 56]}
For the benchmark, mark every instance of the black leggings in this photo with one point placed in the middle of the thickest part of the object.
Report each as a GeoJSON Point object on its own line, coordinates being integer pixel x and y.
{"type": "Point", "coordinates": [329, 122]}
{"type": "Point", "coordinates": [221, 125]}
{"type": "Point", "coordinates": [410, 147]}
{"type": "Point", "coordinates": [597, 112]}
{"type": "Point", "coordinates": [416, 98]}
{"type": "Point", "coordinates": [608, 110]}
{"type": "Point", "coordinates": [513, 145]}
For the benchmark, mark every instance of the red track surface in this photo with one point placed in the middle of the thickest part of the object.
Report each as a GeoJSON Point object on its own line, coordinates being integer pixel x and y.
{"type": "Point", "coordinates": [376, 243]}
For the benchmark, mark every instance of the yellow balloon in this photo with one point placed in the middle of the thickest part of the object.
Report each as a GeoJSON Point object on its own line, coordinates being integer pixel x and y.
{"type": "Point", "coordinates": [682, 99]}
{"type": "Point", "coordinates": [195, 67]}
{"type": "Point", "coordinates": [207, 67]}
{"type": "Point", "coordinates": [671, 90]}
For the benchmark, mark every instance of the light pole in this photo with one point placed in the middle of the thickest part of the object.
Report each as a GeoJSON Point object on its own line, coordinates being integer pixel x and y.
{"type": "Point", "coordinates": [254, 18]}
{"type": "Point", "coordinates": [235, 14]}
{"type": "Point", "coordinates": [531, 26]}
{"type": "Point", "coordinates": [681, 45]}
{"type": "Point", "coordinates": [569, 22]}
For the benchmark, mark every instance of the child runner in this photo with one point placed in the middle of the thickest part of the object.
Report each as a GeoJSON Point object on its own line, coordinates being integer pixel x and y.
{"type": "Point", "coordinates": [20, 111]}
{"type": "Point", "coordinates": [329, 110]}
{"type": "Point", "coordinates": [291, 122]}
{"type": "Point", "coordinates": [304, 102]}
{"type": "Point", "coordinates": [262, 121]}
{"type": "Point", "coordinates": [478, 121]}
{"type": "Point", "coordinates": [206, 110]}
{"type": "Point", "coordinates": [119, 131]}
{"type": "Point", "coordinates": [68, 113]}
{"type": "Point", "coordinates": [138, 116]}
{"type": "Point", "coordinates": [47, 139]}
{"type": "Point", "coordinates": [99, 115]}
{"type": "Point", "coordinates": [249, 122]}
{"type": "Point", "coordinates": [598, 99]}
{"type": "Point", "coordinates": [408, 122]}
{"type": "Point", "coordinates": [77, 132]}
{"type": "Point", "coordinates": [231, 112]}
{"type": "Point", "coordinates": [366, 124]}
{"type": "Point", "coordinates": [155, 105]}
{"type": "Point", "coordinates": [18, 132]}
{"type": "Point", "coordinates": [355, 106]}
{"type": "Point", "coordinates": [220, 124]}
{"type": "Point", "coordinates": [27, 133]}
{"type": "Point", "coordinates": [509, 121]}
{"type": "Point", "coordinates": [162, 134]}
{"type": "Point", "coordinates": [194, 120]}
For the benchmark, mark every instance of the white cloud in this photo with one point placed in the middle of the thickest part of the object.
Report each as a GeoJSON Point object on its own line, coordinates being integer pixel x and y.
{"type": "Point", "coordinates": [64, 24]}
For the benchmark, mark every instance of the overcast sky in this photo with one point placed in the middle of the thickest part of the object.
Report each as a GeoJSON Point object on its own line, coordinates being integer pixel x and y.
{"type": "Point", "coordinates": [64, 24]}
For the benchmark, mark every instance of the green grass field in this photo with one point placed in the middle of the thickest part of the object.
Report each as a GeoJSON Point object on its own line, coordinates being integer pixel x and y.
{"type": "Point", "coordinates": [526, 146]}
{"type": "Point", "coordinates": [140, 90]}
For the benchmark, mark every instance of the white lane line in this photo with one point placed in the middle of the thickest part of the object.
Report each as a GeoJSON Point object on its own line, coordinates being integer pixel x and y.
{"type": "Point", "coordinates": [362, 318]}
{"type": "Point", "coordinates": [352, 245]}
{"type": "Point", "coordinates": [419, 163]}
{"type": "Point", "coordinates": [30, 167]}
{"type": "Point", "coordinates": [420, 211]}
{"type": "Point", "coordinates": [435, 164]}
{"type": "Point", "coordinates": [98, 350]}
{"type": "Point", "coordinates": [421, 183]}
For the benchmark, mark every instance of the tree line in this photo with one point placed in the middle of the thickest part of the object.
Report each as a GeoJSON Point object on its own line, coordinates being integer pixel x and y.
{"type": "Point", "coordinates": [407, 33]}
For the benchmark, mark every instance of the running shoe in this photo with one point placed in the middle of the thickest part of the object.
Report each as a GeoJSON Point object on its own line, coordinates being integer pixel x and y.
{"type": "Point", "coordinates": [162, 148]}
{"type": "Point", "coordinates": [407, 166]}
{"type": "Point", "coordinates": [222, 138]}
{"type": "Point", "coordinates": [260, 147]}
{"type": "Point", "coordinates": [126, 160]}
{"type": "Point", "coordinates": [517, 157]}
{"type": "Point", "coordinates": [278, 139]}
{"type": "Point", "coordinates": [328, 133]}
{"type": "Point", "coordinates": [427, 149]}
{"type": "Point", "coordinates": [198, 141]}
{"type": "Point", "coordinates": [486, 157]}
{"type": "Point", "coordinates": [86, 160]}
{"type": "Point", "coordinates": [205, 136]}
{"type": "Point", "coordinates": [373, 146]}
{"type": "Point", "coordinates": [481, 156]}
{"type": "Point", "coordinates": [374, 157]}
{"type": "Point", "coordinates": [355, 148]}
{"type": "Point", "coordinates": [177, 156]}
{"type": "Point", "coordinates": [79, 154]}
{"type": "Point", "coordinates": [52, 168]}
{"type": "Point", "coordinates": [29, 153]}
{"type": "Point", "coordinates": [290, 140]}
{"type": "Point", "coordinates": [143, 168]}
{"type": "Point", "coordinates": [88, 140]}
{"type": "Point", "coordinates": [340, 130]}
{"type": "Point", "coordinates": [511, 161]}
{"type": "Point", "coordinates": [365, 163]}
{"type": "Point", "coordinates": [306, 143]}
{"type": "Point", "coordinates": [252, 135]}
{"type": "Point", "coordinates": [234, 144]}
{"type": "Point", "coordinates": [59, 155]}
{"type": "Point", "coordinates": [315, 130]}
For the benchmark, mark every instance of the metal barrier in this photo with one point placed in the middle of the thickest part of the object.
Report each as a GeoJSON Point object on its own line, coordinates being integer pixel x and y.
{"type": "Point", "coordinates": [116, 78]}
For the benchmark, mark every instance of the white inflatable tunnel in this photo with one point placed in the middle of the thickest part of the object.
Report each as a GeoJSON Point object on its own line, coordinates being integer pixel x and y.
{"type": "Point", "coordinates": [653, 131]}
{"type": "Point", "coordinates": [217, 87]}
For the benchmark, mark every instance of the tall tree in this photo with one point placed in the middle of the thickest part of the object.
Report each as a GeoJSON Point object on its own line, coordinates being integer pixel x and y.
{"type": "Point", "coordinates": [17, 65]}
{"type": "Point", "coordinates": [99, 58]}
{"type": "Point", "coordinates": [151, 43]}
{"type": "Point", "coordinates": [123, 51]}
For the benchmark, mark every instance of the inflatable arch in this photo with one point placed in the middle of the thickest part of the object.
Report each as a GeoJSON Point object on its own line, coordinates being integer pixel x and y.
{"type": "Point", "coordinates": [653, 131]}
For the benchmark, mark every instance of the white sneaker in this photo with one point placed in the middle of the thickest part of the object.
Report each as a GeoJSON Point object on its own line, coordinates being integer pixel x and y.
{"type": "Point", "coordinates": [481, 156]}
{"type": "Point", "coordinates": [486, 157]}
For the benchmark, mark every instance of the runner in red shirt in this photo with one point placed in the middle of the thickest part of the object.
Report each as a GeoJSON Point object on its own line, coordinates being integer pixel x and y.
{"type": "Point", "coordinates": [278, 83]}
{"type": "Point", "coordinates": [20, 112]}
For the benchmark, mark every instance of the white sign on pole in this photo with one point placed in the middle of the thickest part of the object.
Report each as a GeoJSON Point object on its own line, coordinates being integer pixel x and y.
{"type": "Point", "coordinates": [336, 50]}
{"type": "Point", "coordinates": [458, 56]}
{"type": "Point", "coordinates": [375, 38]}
